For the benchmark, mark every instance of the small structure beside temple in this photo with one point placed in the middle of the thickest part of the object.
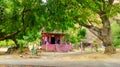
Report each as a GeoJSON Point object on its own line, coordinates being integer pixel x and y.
{"type": "Point", "coordinates": [55, 42]}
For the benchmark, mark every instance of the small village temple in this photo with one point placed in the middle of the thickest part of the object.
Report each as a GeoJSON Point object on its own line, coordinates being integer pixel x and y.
{"type": "Point", "coordinates": [55, 42]}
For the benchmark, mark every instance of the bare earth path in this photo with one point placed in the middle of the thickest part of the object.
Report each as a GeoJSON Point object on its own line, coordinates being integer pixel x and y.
{"type": "Point", "coordinates": [70, 59]}
{"type": "Point", "coordinates": [54, 63]}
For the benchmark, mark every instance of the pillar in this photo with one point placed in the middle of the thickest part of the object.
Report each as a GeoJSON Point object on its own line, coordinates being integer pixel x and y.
{"type": "Point", "coordinates": [60, 39]}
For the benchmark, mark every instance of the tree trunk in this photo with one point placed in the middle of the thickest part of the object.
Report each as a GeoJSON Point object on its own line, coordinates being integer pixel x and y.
{"type": "Point", "coordinates": [106, 36]}
{"type": "Point", "coordinates": [16, 49]}
{"type": "Point", "coordinates": [16, 43]}
{"type": "Point", "coordinates": [13, 49]}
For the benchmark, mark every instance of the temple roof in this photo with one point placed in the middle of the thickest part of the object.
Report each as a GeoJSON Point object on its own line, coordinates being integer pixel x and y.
{"type": "Point", "coordinates": [53, 32]}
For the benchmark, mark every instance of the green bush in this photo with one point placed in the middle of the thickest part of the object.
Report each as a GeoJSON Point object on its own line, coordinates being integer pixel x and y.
{"type": "Point", "coordinates": [82, 33]}
{"type": "Point", "coordinates": [75, 35]}
{"type": "Point", "coordinates": [7, 43]}
{"type": "Point", "coordinates": [2, 43]}
{"type": "Point", "coordinates": [116, 34]}
{"type": "Point", "coordinates": [116, 42]}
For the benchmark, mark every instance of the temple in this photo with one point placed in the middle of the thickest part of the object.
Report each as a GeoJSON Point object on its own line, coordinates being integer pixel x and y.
{"type": "Point", "coordinates": [55, 42]}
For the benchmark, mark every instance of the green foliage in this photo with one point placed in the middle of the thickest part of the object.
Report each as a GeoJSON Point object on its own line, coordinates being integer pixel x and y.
{"type": "Point", "coordinates": [21, 48]}
{"type": "Point", "coordinates": [116, 34]}
{"type": "Point", "coordinates": [100, 6]}
{"type": "Point", "coordinates": [25, 15]}
{"type": "Point", "coordinates": [2, 43]}
{"type": "Point", "coordinates": [28, 17]}
{"type": "Point", "coordinates": [7, 43]}
{"type": "Point", "coordinates": [57, 15]}
{"type": "Point", "coordinates": [116, 42]}
{"type": "Point", "coordinates": [96, 45]}
{"type": "Point", "coordinates": [82, 33]}
{"type": "Point", "coordinates": [75, 35]}
{"type": "Point", "coordinates": [115, 10]}
{"type": "Point", "coordinates": [33, 50]}
{"type": "Point", "coordinates": [22, 44]}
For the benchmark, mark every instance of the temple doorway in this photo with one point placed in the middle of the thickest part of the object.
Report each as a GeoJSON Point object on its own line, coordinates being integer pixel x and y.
{"type": "Point", "coordinates": [52, 40]}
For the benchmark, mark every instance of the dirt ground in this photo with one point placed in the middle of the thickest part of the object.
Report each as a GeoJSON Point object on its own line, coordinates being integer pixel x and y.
{"type": "Point", "coordinates": [75, 55]}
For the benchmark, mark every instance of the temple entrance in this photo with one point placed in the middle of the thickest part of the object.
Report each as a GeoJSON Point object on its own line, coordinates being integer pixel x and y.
{"type": "Point", "coordinates": [52, 40]}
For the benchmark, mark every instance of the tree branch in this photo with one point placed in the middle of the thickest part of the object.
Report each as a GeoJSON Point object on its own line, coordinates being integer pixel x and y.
{"type": "Point", "coordinates": [91, 22]}
{"type": "Point", "coordinates": [23, 15]}
{"type": "Point", "coordinates": [87, 25]}
{"type": "Point", "coordinates": [95, 30]}
{"type": "Point", "coordinates": [9, 35]}
{"type": "Point", "coordinates": [98, 34]}
{"type": "Point", "coordinates": [91, 27]}
{"type": "Point", "coordinates": [100, 7]}
{"type": "Point", "coordinates": [111, 2]}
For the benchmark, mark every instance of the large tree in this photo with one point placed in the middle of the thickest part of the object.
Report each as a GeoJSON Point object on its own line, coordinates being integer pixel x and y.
{"type": "Point", "coordinates": [92, 14]}
{"type": "Point", "coordinates": [19, 18]}
{"type": "Point", "coordinates": [104, 9]}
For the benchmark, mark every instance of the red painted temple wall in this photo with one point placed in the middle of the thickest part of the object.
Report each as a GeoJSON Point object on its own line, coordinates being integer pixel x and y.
{"type": "Point", "coordinates": [61, 47]}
